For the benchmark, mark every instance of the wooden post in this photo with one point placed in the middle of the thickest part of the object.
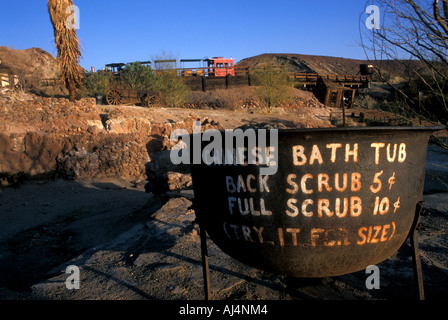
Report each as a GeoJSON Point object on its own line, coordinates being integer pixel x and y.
{"type": "Point", "coordinates": [204, 86]}
{"type": "Point", "coordinates": [353, 98]}
{"type": "Point", "coordinates": [339, 97]}
{"type": "Point", "coordinates": [362, 117]}
{"type": "Point", "coordinates": [11, 80]}
{"type": "Point", "coordinates": [327, 97]}
{"type": "Point", "coordinates": [204, 252]}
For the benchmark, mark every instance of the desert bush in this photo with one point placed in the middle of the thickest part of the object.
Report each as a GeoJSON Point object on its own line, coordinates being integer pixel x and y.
{"type": "Point", "coordinates": [274, 84]}
{"type": "Point", "coordinates": [172, 90]}
{"type": "Point", "coordinates": [230, 99]}
{"type": "Point", "coordinates": [98, 82]}
{"type": "Point", "coordinates": [137, 76]}
{"type": "Point", "coordinates": [427, 104]}
{"type": "Point", "coordinates": [218, 99]}
{"type": "Point", "coordinates": [227, 100]}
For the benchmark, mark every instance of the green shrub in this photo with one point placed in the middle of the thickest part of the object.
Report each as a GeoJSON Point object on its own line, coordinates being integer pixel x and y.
{"type": "Point", "coordinates": [173, 91]}
{"type": "Point", "coordinates": [274, 84]}
{"type": "Point", "coordinates": [98, 82]}
{"type": "Point", "coordinates": [137, 76]}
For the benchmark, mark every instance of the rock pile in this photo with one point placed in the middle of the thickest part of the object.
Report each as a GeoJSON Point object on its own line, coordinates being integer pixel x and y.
{"type": "Point", "coordinates": [104, 156]}
{"type": "Point", "coordinates": [51, 136]}
{"type": "Point", "coordinates": [44, 114]}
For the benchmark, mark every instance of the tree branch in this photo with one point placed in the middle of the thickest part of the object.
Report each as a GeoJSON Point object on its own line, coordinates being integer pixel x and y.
{"type": "Point", "coordinates": [438, 18]}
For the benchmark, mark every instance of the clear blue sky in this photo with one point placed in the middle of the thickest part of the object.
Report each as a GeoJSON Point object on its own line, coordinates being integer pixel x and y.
{"type": "Point", "coordinates": [132, 30]}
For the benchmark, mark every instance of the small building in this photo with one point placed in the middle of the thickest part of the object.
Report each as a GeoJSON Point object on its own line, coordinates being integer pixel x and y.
{"type": "Point", "coordinates": [7, 77]}
{"type": "Point", "coordinates": [334, 95]}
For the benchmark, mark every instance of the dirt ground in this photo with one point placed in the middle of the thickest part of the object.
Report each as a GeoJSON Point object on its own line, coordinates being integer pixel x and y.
{"type": "Point", "coordinates": [131, 245]}
{"type": "Point", "coordinates": [229, 119]}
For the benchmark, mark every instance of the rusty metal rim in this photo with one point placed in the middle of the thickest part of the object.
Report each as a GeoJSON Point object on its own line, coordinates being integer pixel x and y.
{"type": "Point", "coordinates": [344, 129]}
{"type": "Point", "coordinates": [384, 128]}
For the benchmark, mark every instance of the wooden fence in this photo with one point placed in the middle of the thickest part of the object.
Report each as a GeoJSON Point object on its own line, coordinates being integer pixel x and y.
{"type": "Point", "coordinates": [198, 79]}
{"type": "Point", "coordinates": [202, 79]}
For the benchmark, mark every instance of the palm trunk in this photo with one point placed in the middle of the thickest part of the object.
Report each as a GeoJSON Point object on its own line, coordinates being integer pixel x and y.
{"type": "Point", "coordinates": [71, 91]}
{"type": "Point", "coordinates": [67, 44]}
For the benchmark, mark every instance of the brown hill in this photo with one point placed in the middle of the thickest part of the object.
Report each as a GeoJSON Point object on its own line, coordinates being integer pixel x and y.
{"type": "Point", "coordinates": [332, 65]}
{"type": "Point", "coordinates": [35, 63]}
{"type": "Point", "coordinates": [32, 63]}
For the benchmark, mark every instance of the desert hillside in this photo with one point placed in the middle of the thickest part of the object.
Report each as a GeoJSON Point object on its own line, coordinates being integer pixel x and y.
{"type": "Point", "coordinates": [331, 65]}
{"type": "Point", "coordinates": [38, 64]}
{"type": "Point", "coordinates": [32, 62]}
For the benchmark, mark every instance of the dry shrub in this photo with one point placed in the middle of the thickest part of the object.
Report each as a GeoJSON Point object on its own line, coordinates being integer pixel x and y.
{"type": "Point", "coordinates": [249, 98]}
{"type": "Point", "coordinates": [274, 85]}
{"type": "Point", "coordinates": [230, 99]}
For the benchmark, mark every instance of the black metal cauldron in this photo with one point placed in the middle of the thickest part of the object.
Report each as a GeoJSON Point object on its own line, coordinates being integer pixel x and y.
{"type": "Point", "coordinates": [341, 199]}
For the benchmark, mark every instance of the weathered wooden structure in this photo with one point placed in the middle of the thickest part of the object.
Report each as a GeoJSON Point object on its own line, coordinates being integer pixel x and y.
{"type": "Point", "coordinates": [7, 77]}
{"type": "Point", "coordinates": [333, 94]}
{"type": "Point", "coordinates": [200, 80]}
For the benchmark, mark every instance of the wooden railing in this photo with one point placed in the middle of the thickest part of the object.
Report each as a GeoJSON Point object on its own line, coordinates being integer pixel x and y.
{"type": "Point", "coordinates": [299, 76]}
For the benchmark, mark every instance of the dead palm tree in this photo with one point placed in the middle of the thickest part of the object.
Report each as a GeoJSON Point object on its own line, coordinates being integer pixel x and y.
{"type": "Point", "coordinates": [67, 44]}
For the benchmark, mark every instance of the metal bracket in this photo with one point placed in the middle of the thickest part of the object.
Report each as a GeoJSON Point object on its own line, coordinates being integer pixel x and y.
{"type": "Point", "coordinates": [205, 268]}
{"type": "Point", "coordinates": [204, 252]}
{"type": "Point", "coordinates": [413, 237]}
